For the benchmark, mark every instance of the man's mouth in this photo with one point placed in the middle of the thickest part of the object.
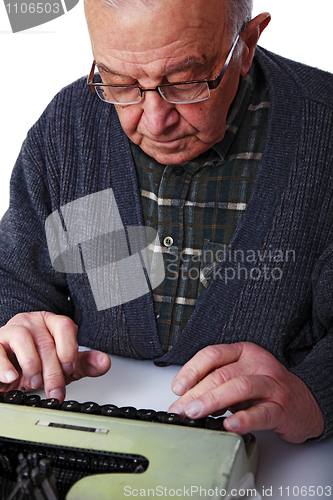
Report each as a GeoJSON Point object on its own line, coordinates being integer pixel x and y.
{"type": "Point", "coordinates": [166, 142]}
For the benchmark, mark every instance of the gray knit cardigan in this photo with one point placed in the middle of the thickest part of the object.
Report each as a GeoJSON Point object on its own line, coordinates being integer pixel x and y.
{"type": "Point", "coordinates": [284, 302]}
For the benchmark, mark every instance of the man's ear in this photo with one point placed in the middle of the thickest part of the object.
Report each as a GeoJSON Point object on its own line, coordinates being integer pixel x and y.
{"type": "Point", "coordinates": [250, 36]}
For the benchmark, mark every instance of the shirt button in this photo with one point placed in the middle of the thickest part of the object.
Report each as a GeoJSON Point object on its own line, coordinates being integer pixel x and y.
{"type": "Point", "coordinates": [178, 171]}
{"type": "Point", "coordinates": [168, 241]}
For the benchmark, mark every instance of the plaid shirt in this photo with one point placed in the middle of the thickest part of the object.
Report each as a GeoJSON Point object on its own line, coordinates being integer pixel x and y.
{"type": "Point", "coordinates": [196, 206]}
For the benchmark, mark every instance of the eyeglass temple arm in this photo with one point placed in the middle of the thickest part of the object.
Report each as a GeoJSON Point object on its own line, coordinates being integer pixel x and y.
{"type": "Point", "coordinates": [91, 78]}
{"type": "Point", "coordinates": [213, 84]}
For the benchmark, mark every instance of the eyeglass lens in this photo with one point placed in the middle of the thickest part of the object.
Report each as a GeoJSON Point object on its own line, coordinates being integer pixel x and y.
{"type": "Point", "coordinates": [189, 92]}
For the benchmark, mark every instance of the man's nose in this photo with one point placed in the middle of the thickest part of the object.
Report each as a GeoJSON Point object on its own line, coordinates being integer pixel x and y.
{"type": "Point", "coordinates": [158, 114]}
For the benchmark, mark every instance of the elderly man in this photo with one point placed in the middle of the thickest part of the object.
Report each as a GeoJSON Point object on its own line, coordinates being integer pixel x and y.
{"type": "Point", "coordinates": [189, 124]}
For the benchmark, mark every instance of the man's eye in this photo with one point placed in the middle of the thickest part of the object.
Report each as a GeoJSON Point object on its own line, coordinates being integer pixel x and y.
{"type": "Point", "coordinates": [185, 87]}
{"type": "Point", "coordinates": [110, 79]}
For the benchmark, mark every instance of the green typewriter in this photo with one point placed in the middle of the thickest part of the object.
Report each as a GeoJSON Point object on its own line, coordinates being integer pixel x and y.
{"type": "Point", "coordinates": [84, 451]}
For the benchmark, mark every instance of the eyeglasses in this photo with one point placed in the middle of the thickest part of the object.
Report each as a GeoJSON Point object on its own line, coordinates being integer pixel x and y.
{"type": "Point", "coordinates": [175, 93]}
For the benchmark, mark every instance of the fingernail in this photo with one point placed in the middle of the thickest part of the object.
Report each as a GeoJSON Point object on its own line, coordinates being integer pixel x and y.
{"type": "Point", "coordinates": [67, 368]}
{"type": "Point", "coordinates": [9, 376]}
{"type": "Point", "coordinates": [101, 357]}
{"type": "Point", "coordinates": [36, 381]}
{"type": "Point", "coordinates": [176, 409]}
{"type": "Point", "coordinates": [232, 423]}
{"type": "Point", "coordinates": [193, 409]}
{"type": "Point", "coordinates": [57, 394]}
{"type": "Point", "coordinates": [179, 387]}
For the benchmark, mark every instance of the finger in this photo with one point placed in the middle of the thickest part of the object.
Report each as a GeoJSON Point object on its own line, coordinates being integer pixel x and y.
{"type": "Point", "coordinates": [8, 373]}
{"type": "Point", "coordinates": [64, 333]}
{"type": "Point", "coordinates": [211, 381]}
{"type": "Point", "coordinates": [235, 391]}
{"type": "Point", "coordinates": [58, 352]}
{"type": "Point", "coordinates": [264, 416]}
{"type": "Point", "coordinates": [273, 416]}
{"type": "Point", "coordinates": [204, 362]}
{"type": "Point", "coordinates": [21, 344]}
{"type": "Point", "coordinates": [91, 364]}
{"type": "Point", "coordinates": [53, 376]}
{"type": "Point", "coordinates": [38, 330]}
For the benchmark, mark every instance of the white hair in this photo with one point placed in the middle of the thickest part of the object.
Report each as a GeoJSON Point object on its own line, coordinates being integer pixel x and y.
{"type": "Point", "coordinates": [240, 12]}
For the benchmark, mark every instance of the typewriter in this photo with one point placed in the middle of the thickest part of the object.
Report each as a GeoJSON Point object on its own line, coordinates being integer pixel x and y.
{"type": "Point", "coordinates": [84, 451]}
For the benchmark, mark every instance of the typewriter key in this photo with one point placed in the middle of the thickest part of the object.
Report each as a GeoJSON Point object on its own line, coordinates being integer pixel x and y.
{"type": "Point", "coordinates": [214, 424]}
{"type": "Point", "coordinates": [191, 422]}
{"type": "Point", "coordinates": [14, 397]}
{"type": "Point", "coordinates": [127, 412]}
{"type": "Point", "coordinates": [32, 400]}
{"type": "Point", "coordinates": [168, 418]}
{"type": "Point", "coordinates": [73, 406]}
{"type": "Point", "coordinates": [110, 411]}
{"type": "Point", "coordinates": [89, 407]}
{"type": "Point", "coordinates": [160, 415]}
{"type": "Point", "coordinates": [51, 404]}
{"type": "Point", "coordinates": [147, 415]}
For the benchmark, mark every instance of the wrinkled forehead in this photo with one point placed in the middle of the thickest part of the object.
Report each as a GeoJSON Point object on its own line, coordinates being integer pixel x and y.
{"type": "Point", "coordinates": [163, 26]}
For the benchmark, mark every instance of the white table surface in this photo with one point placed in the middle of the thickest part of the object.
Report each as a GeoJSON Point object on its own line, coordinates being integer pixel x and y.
{"type": "Point", "coordinates": [283, 468]}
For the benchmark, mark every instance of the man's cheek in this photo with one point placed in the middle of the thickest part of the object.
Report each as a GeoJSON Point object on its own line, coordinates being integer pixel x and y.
{"type": "Point", "coordinates": [129, 117]}
{"type": "Point", "coordinates": [201, 118]}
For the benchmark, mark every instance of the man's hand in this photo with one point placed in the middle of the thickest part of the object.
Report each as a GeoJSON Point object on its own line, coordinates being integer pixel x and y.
{"type": "Point", "coordinates": [39, 349]}
{"type": "Point", "coordinates": [250, 382]}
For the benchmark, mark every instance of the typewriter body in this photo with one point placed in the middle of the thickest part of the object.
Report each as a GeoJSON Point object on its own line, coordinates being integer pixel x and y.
{"type": "Point", "coordinates": [105, 457]}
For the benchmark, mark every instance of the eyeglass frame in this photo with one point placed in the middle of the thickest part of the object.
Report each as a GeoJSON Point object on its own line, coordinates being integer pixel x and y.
{"type": "Point", "coordinates": [212, 84]}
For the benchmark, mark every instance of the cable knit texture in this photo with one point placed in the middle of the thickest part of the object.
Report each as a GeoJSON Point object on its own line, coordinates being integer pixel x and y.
{"type": "Point", "coordinates": [281, 298]}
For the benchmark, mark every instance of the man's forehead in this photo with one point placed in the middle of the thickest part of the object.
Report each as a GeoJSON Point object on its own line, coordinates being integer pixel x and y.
{"type": "Point", "coordinates": [179, 35]}
{"type": "Point", "coordinates": [121, 5]}
{"type": "Point", "coordinates": [162, 18]}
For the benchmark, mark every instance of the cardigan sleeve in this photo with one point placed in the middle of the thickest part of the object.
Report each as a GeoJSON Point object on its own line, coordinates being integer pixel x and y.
{"type": "Point", "coordinates": [28, 281]}
{"type": "Point", "coordinates": [316, 369]}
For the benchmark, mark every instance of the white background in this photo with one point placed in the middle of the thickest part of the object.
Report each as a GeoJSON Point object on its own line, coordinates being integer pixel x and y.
{"type": "Point", "coordinates": [35, 64]}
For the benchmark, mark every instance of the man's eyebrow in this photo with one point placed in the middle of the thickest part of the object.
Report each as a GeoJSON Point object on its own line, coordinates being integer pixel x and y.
{"type": "Point", "coordinates": [107, 70]}
{"type": "Point", "coordinates": [190, 63]}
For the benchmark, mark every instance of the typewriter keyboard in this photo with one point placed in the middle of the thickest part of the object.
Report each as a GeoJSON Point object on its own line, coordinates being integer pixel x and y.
{"type": "Point", "coordinates": [109, 410]}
